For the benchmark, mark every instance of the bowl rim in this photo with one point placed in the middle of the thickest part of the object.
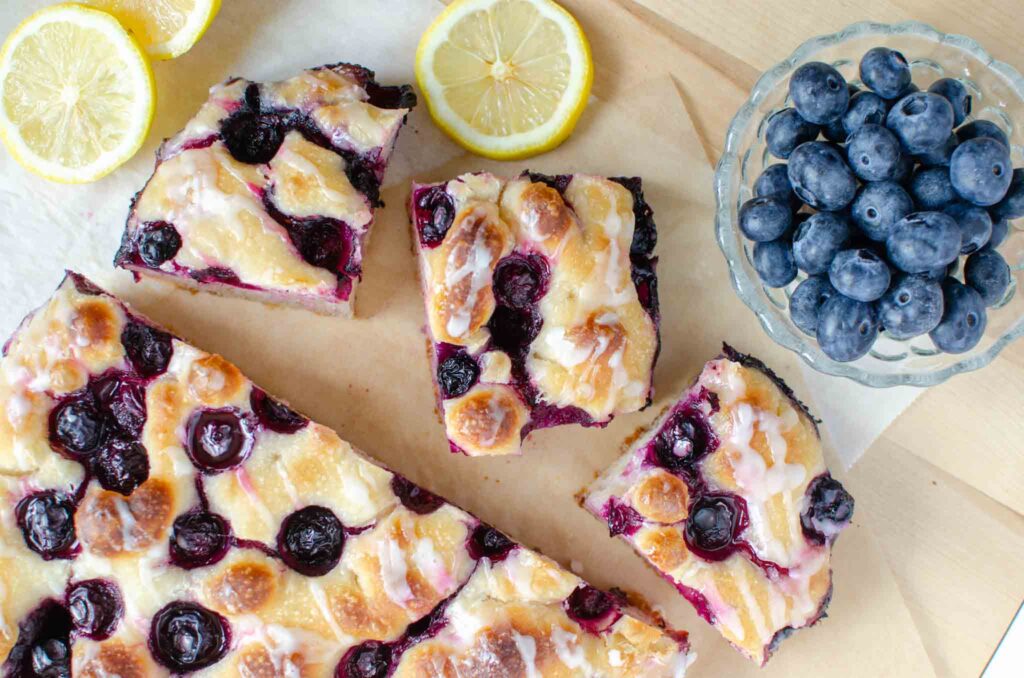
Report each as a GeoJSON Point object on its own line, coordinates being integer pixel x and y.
{"type": "Point", "coordinates": [749, 290]}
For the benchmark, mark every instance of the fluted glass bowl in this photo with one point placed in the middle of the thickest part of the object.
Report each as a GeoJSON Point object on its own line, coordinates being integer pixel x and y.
{"type": "Point", "coordinates": [998, 95]}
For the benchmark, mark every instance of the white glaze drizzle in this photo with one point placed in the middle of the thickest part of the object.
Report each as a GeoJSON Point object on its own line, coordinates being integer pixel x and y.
{"type": "Point", "coordinates": [527, 648]}
{"type": "Point", "coordinates": [393, 571]}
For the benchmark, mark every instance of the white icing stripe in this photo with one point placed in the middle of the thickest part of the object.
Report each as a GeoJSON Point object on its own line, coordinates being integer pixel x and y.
{"type": "Point", "coordinates": [527, 648]}
{"type": "Point", "coordinates": [393, 571]}
{"type": "Point", "coordinates": [569, 651]}
{"type": "Point", "coordinates": [752, 473]}
{"type": "Point", "coordinates": [754, 611]}
{"type": "Point", "coordinates": [325, 608]}
{"type": "Point", "coordinates": [477, 267]}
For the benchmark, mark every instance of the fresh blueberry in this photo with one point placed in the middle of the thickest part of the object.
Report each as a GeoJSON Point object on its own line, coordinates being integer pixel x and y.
{"type": "Point", "coordinates": [807, 300]}
{"type": "Point", "coordinates": [866, 108]}
{"type": "Point", "coordinates": [885, 71]}
{"type": "Point", "coordinates": [819, 92]}
{"type": "Point", "coordinates": [251, 137]}
{"type": "Point", "coordinates": [911, 307]}
{"type": "Point", "coordinates": [923, 241]}
{"type": "Point", "coordinates": [818, 239]}
{"type": "Point", "coordinates": [487, 542]}
{"type": "Point", "coordinates": [859, 274]}
{"type": "Point", "coordinates": [921, 121]}
{"type": "Point", "coordinates": [988, 273]}
{"type": "Point", "coordinates": [954, 92]}
{"type": "Point", "coordinates": [878, 206]}
{"type": "Point", "coordinates": [96, 607]}
{"type": "Point", "coordinates": [1012, 206]}
{"type": "Point", "coordinates": [199, 538]}
{"type": "Point", "coordinates": [1000, 229]}
{"type": "Point", "coordinates": [982, 128]}
{"type": "Point", "coordinates": [931, 188]}
{"type": "Point", "coordinates": [905, 169]}
{"type": "Point", "coordinates": [148, 349]}
{"type": "Point", "coordinates": [414, 497]}
{"type": "Point", "coordinates": [371, 659]}
{"type": "Point", "coordinates": [980, 171]}
{"type": "Point", "coordinates": [712, 526]}
{"type": "Point", "coordinates": [186, 637]}
{"type": "Point", "coordinates": [847, 328]}
{"type": "Point", "coordinates": [158, 242]}
{"type": "Point", "coordinates": [786, 130]}
{"type": "Point", "coordinates": [457, 374]}
{"type": "Point", "coordinates": [829, 508]}
{"type": "Point", "coordinates": [774, 183]}
{"type": "Point", "coordinates": [311, 540]}
{"type": "Point", "coordinates": [873, 152]}
{"type": "Point", "coordinates": [47, 522]}
{"type": "Point", "coordinates": [820, 176]}
{"type": "Point", "coordinates": [77, 426]}
{"type": "Point", "coordinates": [763, 219]}
{"type": "Point", "coordinates": [940, 155]}
{"type": "Point", "coordinates": [121, 466]}
{"type": "Point", "coordinates": [963, 319]}
{"type": "Point", "coordinates": [774, 263]}
{"type": "Point", "coordinates": [975, 225]}
{"type": "Point", "coordinates": [834, 131]}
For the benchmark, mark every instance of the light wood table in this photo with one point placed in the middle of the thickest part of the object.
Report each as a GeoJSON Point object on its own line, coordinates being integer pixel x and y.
{"type": "Point", "coordinates": [943, 488]}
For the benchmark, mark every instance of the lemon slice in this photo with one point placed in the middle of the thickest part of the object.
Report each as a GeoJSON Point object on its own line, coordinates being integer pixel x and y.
{"type": "Point", "coordinates": [507, 79]}
{"type": "Point", "coordinates": [76, 94]}
{"type": "Point", "coordinates": [165, 28]}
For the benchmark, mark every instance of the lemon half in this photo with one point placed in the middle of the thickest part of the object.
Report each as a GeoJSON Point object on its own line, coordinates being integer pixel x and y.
{"type": "Point", "coordinates": [165, 28]}
{"type": "Point", "coordinates": [76, 94]}
{"type": "Point", "coordinates": [507, 79]}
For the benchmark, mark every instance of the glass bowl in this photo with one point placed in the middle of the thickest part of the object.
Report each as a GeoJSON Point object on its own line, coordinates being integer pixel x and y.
{"type": "Point", "coordinates": [998, 95]}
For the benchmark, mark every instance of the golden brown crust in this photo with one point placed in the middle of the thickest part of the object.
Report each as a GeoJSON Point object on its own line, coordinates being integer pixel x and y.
{"type": "Point", "coordinates": [487, 420]}
{"type": "Point", "coordinates": [110, 524]}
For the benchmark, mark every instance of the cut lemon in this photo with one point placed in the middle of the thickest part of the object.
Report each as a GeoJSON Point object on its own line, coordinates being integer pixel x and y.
{"type": "Point", "coordinates": [507, 79]}
{"type": "Point", "coordinates": [76, 94]}
{"type": "Point", "coordinates": [165, 28]}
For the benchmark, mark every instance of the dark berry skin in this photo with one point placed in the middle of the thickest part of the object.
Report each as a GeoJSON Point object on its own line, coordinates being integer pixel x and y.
{"type": "Point", "coordinates": [921, 121]}
{"type": "Point", "coordinates": [321, 242]}
{"type": "Point", "coordinates": [47, 522]}
{"type": "Point", "coordinates": [954, 92]}
{"type": "Point", "coordinates": [158, 242]}
{"type": "Point", "coordinates": [95, 607]}
{"type": "Point", "coordinates": [878, 207]}
{"type": "Point", "coordinates": [988, 273]}
{"type": "Point", "coordinates": [371, 659]}
{"type": "Point", "coordinates": [764, 219]}
{"type": "Point", "coordinates": [186, 637]}
{"type": "Point", "coordinates": [645, 232]}
{"type": "Point", "coordinates": [199, 538]}
{"type": "Point", "coordinates": [520, 281]}
{"type": "Point", "coordinates": [975, 225]}
{"type": "Point", "coordinates": [911, 307]}
{"type": "Point", "coordinates": [121, 466]}
{"type": "Point", "coordinates": [588, 604]}
{"type": "Point", "coordinates": [1000, 229]}
{"type": "Point", "coordinates": [43, 648]}
{"type": "Point", "coordinates": [414, 497]}
{"type": "Point", "coordinates": [847, 328]}
{"type": "Point", "coordinates": [487, 542]}
{"type": "Point", "coordinates": [873, 152]}
{"type": "Point", "coordinates": [124, 400]}
{"type": "Point", "coordinates": [774, 183]}
{"type": "Point", "coordinates": [820, 176]}
{"type": "Point", "coordinates": [148, 349]}
{"type": "Point", "coordinates": [829, 509]}
{"type": "Point", "coordinates": [786, 130]}
{"type": "Point", "coordinates": [866, 108]}
{"type": "Point", "coordinates": [859, 274]}
{"type": "Point", "coordinates": [940, 155]}
{"type": "Point", "coordinates": [885, 71]}
{"type": "Point", "coordinates": [1011, 206]}
{"type": "Point", "coordinates": [819, 239]}
{"type": "Point", "coordinates": [275, 415]}
{"type": "Point", "coordinates": [819, 92]}
{"type": "Point", "coordinates": [712, 527]}
{"type": "Point", "coordinates": [981, 172]}
{"type": "Point", "coordinates": [774, 262]}
{"type": "Point", "coordinates": [218, 439]}
{"type": "Point", "coordinates": [682, 441]}
{"type": "Point", "coordinates": [251, 137]}
{"type": "Point", "coordinates": [807, 300]}
{"type": "Point", "coordinates": [923, 241]}
{"type": "Point", "coordinates": [512, 330]}
{"type": "Point", "coordinates": [311, 540]}
{"type": "Point", "coordinates": [78, 426]}
{"type": "Point", "coordinates": [931, 188]}
{"type": "Point", "coordinates": [982, 128]}
{"type": "Point", "coordinates": [435, 212]}
{"type": "Point", "coordinates": [963, 318]}
{"type": "Point", "coordinates": [457, 374]}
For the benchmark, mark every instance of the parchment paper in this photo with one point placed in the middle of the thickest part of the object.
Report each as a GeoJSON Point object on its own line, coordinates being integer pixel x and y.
{"type": "Point", "coordinates": [369, 377]}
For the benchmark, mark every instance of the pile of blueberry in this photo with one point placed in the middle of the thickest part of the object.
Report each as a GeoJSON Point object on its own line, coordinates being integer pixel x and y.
{"type": "Point", "coordinates": [879, 213]}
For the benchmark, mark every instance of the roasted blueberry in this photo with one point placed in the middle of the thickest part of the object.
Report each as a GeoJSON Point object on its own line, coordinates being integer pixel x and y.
{"type": "Point", "coordinates": [371, 659]}
{"type": "Point", "coordinates": [47, 522]}
{"type": "Point", "coordinates": [786, 130]}
{"type": "Point", "coordinates": [923, 241]}
{"type": "Point", "coordinates": [435, 214]}
{"type": "Point", "coordinates": [158, 242]}
{"type": "Point", "coordinates": [878, 206]}
{"type": "Point", "coordinates": [975, 225]}
{"type": "Point", "coordinates": [873, 152]}
{"type": "Point", "coordinates": [487, 542]}
{"type": "Point", "coordinates": [683, 440]}
{"type": "Point", "coordinates": [982, 128]}
{"type": "Point", "coordinates": [819, 92]}
{"type": "Point", "coordinates": [866, 108]}
{"type": "Point", "coordinates": [988, 273]}
{"type": "Point", "coordinates": [622, 518]}
{"type": "Point", "coordinates": [199, 538]}
{"type": "Point", "coordinates": [124, 400]}
{"type": "Point", "coordinates": [587, 605]}
{"type": "Point", "coordinates": [456, 374]}
{"type": "Point", "coordinates": [78, 426]}
{"type": "Point", "coordinates": [911, 307]}
{"type": "Point", "coordinates": [148, 349]}
{"type": "Point", "coordinates": [121, 466]}
{"type": "Point", "coordinates": [43, 648]}
{"type": "Point", "coordinates": [712, 526]}
{"type": "Point", "coordinates": [819, 239]}
{"type": "Point", "coordinates": [820, 176]}
{"type": "Point", "coordinates": [321, 242]}
{"type": "Point", "coordinates": [885, 71]}
{"type": "Point", "coordinates": [513, 329]}
{"type": "Point", "coordinates": [939, 155]}
{"type": "Point", "coordinates": [774, 262]}
{"type": "Point", "coordinates": [520, 281]}
{"type": "Point", "coordinates": [218, 439]}
{"type": "Point", "coordinates": [414, 497]}
{"type": "Point", "coordinates": [1012, 206]}
{"type": "Point", "coordinates": [980, 171]}
{"type": "Point", "coordinates": [931, 188]}
{"type": "Point", "coordinates": [807, 300]}
{"type": "Point", "coordinates": [311, 540]}
{"type": "Point", "coordinates": [185, 637]}
{"type": "Point", "coordinates": [859, 274]}
{"type": "Point", "coordinates": [963, 318]}
{"type": "Point", "coordinates": [954, 92]}
{"type": "Point", "coordinates": [275, 415]}
{"type": "Point", "coordinates": [847, 328]}
{"type": "Point", "coordinates": [829, 509]}
{"type": "Point", "coordinates": [95, 607]}
{"type": "Point", "coordinates": [645, 232]}
{"type": "Point", "coordinates": [763, 219]}
{"type": "Point", "coordinates": [774, 183]}
{"type": "Point", "coordinates": [252, 137]}
{"type": "Point", "coordinates": [921, 121]}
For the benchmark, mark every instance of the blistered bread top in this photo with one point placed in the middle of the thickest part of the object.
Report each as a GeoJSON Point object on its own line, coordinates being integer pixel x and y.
{"type": "Point", "coordinates": [587, 343]}
{"type": "Point", "coordinates": [739, 439]}
{"type": "Point", "coordinates": [272, 186]}
{"type": "Point", "coordinates": [418, 581]}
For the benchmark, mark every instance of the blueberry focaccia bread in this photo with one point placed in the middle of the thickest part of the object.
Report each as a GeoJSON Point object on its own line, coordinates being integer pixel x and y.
{"type": "Point", "coordinates": [269, 191]}
{"type": "Point", "coordinates": [727, 496]}
{"type": "Point", "coordinates": [159, 514]}
{"type": "Point", "coordinates": [541, 299]}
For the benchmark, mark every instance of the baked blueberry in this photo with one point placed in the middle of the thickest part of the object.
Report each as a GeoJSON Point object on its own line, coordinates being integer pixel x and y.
{"type": "Point", "coordinates": [807, 300]}
{"type": "Point", "coordinates": [963, 318]}
{"type": "Point", "coordinates": [954, 92]}
{"type": "Point", "coordinates": [847, 328]}
{"type": "Point", "coordinates": [982, 128]}
{"type": "Point", "coordinates": [78, 426]}
{"type": "Point", "coordinates": [253, 138]}
{"type": "Point", "coordinates": [859, 274]}
{"type": "Point", "coordinates": [988, 273]}
{"type": "Point", "coordinates": [414, 497]}
{"type": "Point", "coordinates": [275, 415]}
{"type": "Point", "coordinates": [829, 509]}
{"type": "Point", "coordinates": [712, 526]}
{"type": "Point", "coordinates": [819, 239]}
{"type": "Point", "coordinates": [186, 637]}
{"type": "Point", "coordinates": [923, 241]}
{"type": "Point", "coordinates": [121, 466]}
{"type": "Point", "coordinates": [911, 307]}
{"type": "Point", "coordinates": [456, 374]}
{"type": "Point", "coordinates": [158, 242]}
{"type": "Point", "coordinates": [1011, 206]}
{"type": "Point", "coordinates": [939, 155]}
{"type": "Point", "coordinates": [43, 647]}
{"type": "Point", "coordinates": [311, 540]}
{"type": "Point", "coordinates": [1000, 229]}
{"type": "Point", "coordinates": [774, 183]}
{"type": "Point", "coordinates": [763, 219]}
{"type": "Point", "coordinates": [878, 206]}
{"type": "Point", "coordinates": [95, 607]}
{"type": "Point", "coordinates": [435, 214]}
{"type": "Point", "coordinates": [975, 225]}
{"type": "Point", "coordinates": [774, 262]}
{"type": "Point", "coordinates": [148, 349]}
{"type": "Point", "coordinates": [512, 329]}
{"type": "Point", "coordinates": [487, 542]}
{"type": "Point", "coordinates": [866, 108]}
{"type": "Point", "coordinates": [819, 92]}
{"type": "Point", "coordinates": [218, 439]}
{"type": "Point", "coordinates": [47, 522]}
{"type": "Point", "coordinates": [980, 171]}
{"type": "Point", "coordinates": [885, 71]}
{"type": "Point", "coordinates": [921, 121]}
{"type": "Point", "coordinates": [931, 188]}
{"type": "Point", "coordinates": [587, 605]}
{"type": "Point", "coordinates": [820, 176]}
{"type": "Point", "coordinates": [873, 152]}
{"type": "Point", "coordinates": [520, 281]}
{"type": "Point", "coordinates": [199, 538]}
{"type": "Point", "coordinates": [786, 130]}
{"type": "Point", "coordinates": [682, 441]}
{"type": "Point", "coordinates": [371, 659]}
{"type": "Point", "coordinates": [124, 400]}
{"type": "Point", "coordinates": [645, 231]}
